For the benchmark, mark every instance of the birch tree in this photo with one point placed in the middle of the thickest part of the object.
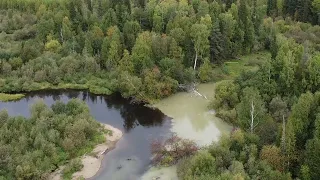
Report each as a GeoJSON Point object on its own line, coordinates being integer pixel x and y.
{"type": "Point", "coordinates": [199, 34]}
{"type": "Point", "coordinates": [251, 110]}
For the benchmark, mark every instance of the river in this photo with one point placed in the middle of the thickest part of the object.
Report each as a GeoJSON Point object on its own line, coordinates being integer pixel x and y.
{"type": "Point", "coordinates": [186, 114]}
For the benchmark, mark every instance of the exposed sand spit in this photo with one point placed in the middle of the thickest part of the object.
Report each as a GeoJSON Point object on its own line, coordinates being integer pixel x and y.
{"type": "Point", "coordinates": [91, 163]}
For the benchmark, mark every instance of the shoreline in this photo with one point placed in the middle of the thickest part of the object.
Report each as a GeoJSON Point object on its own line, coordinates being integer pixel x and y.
{"type": "Point", "coordinates": [73, 87]}
{"type": "Point", "coordinates": [92, 163]}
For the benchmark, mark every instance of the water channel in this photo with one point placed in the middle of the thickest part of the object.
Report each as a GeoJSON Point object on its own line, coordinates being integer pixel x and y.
{"type": "Point", "coordinates": [183, 113]}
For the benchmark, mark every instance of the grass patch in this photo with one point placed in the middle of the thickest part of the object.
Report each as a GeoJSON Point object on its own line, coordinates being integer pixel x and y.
{"type": "Point", "coordinates": [233, 68]}
{"type": "Point", "coordinates": [10, 97]}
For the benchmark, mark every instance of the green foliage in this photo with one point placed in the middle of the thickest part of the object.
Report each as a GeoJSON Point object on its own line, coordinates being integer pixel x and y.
{"type": "Point", "coordinates": [305, 172]}
{"type": "Point", "coordinates": [287, 84]}
{"type": "Point", "coordinates": [131, 30]}
{"type": "Point", "coordinates": [145, 49]}
{"type": "Point", "coordinates": [301, 117]}
{"type": "Point", "coordinates": [233, 68]}
{"type": "Point", "coordinates": [15, 63]}
{"type": "Point", "coordinates": [234, 157]}
{"type": "Point", "coordinates": [313, 69]}
{"type": "Point", "coordinates": [75, 43]}
{"type": "Point", "coordinates": [278, 109]}
{"type": "Point", "coordinates": [251, 108]}
{"type": "Point", "coordinates": [53, 46]}
{"type": "Point", "coordinates": [205, 71]}
{"type": "Point", "coordinates": [112, 50]}
{"type": "Point", "coordinates": [55, 135]}
{"type": "Point", "coordinates": [316, 8]}
{"type": "Point", "coordinates": [312, 158]}
{"type": "Point", "coordinates": [225, 95]}
{"type": "Point", "coordinates": [200, 34]}
{"type": "Point", "coordinates": [142, 52]}
{"type": "Point", "coordinates": [10, 97]}
{"type": "Point", "coordinates": [225, 100]}
{"type": "Point", "coordinates": [201, 164]}
{"type": "Point", "coordinates": [73, 166]}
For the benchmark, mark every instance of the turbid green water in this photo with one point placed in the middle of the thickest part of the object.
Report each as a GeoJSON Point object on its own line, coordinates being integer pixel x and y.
{"type": "Point", "coordinates": [191, 119]}
{"type": "Point", "coordinates": [163, 173]}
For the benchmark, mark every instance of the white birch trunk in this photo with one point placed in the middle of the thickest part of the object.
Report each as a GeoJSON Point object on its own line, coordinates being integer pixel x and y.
{"type": "Point", "coordinates": [61, 34]}
{"type": "Point", "coordinates": [195, 61]}
{"type": "Point", "coordinates": [252, 117]}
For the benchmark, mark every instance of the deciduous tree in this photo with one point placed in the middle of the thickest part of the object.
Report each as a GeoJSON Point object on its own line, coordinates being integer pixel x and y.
{"type": "Point", "coordinates": [251, 110]}
{"type": "Point", "coordinates": [200, 35]}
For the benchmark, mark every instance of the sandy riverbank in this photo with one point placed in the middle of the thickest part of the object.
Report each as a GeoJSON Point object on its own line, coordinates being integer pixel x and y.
{"type": "Point", "coordinates": [91, 164]}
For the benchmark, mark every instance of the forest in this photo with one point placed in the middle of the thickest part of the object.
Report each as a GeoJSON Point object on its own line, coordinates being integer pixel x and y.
{"type": "Point", "coordinates": [142, 49]}
{"type": "Point", "coordinates": [146, 50]}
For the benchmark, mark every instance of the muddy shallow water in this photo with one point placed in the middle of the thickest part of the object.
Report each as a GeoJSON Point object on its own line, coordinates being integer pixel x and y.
{"type": "Point", "coordinates": [191, 120]}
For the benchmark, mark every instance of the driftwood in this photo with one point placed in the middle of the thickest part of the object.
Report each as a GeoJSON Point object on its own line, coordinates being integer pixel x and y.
{"type": "Point", "coordinates": [191, 88]}
{"type": "Point", "coordinates": [196, 92]}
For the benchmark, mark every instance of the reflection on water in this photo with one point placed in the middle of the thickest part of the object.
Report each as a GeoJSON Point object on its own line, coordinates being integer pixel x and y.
{"type": "Point", "coordinates": [191, 116]}
{"type": "Point", "coordinates": [164, 173]}
{"type": "Point", "coordinates": [192, 120]}
{"type": "Point", "coordinates": [131, 157]}
{"type": "Point", "coordinates": [140, 125]}
{"type": "Point", "coordinates": [114, 107]}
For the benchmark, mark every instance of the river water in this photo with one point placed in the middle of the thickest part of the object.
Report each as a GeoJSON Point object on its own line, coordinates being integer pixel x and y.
{"type": "Point", "coordinates": [191, 120]}
{"type": "Point", "coordinates": [186, 114]}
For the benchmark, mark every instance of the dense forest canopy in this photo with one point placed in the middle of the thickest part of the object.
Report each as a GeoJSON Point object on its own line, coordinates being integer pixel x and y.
{"type": "Point", "coordinates": [143, 49]}
{"type": "Point", "coordinates": [147, 48]}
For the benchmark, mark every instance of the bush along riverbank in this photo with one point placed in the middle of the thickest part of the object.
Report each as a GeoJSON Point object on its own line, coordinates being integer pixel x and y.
{"type": "Point", "coordinates": [10, 97]}
{"type": "Point", "coordinates": [52, 137]}
{"type": "Point", "coordinates": [89, 164]}
{"type": "Point", "coordinates": [95, 84]}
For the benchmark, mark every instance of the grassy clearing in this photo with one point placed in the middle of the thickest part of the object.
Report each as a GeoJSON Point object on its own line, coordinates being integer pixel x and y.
{"type": "Point", "coordinates": [233, 68]}
{"type": "Point", "coordinates": [10, 97]}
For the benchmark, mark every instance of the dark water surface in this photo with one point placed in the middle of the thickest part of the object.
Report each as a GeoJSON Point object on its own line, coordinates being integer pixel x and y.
{"type": "Point", "coordinates": [131, 157]}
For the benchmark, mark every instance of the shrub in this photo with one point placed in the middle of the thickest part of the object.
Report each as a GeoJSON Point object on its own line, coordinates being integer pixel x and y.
{"type": "Point", "coordinates": [10, 97]}
{"type": "Point", "coordinates": [198, 167]}
{"type": "Point", "coordinates": [73, 166]}
{"type": "Point", "coordinates": [230, 116]}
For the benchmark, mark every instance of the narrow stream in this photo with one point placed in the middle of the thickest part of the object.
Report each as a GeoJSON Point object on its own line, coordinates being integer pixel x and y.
{"type": "Point", "coordinates": [130, 160]}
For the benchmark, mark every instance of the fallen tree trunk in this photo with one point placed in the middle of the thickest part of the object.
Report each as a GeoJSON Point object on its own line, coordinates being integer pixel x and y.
{"type": "Point", "coordinates": [191, 88]}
